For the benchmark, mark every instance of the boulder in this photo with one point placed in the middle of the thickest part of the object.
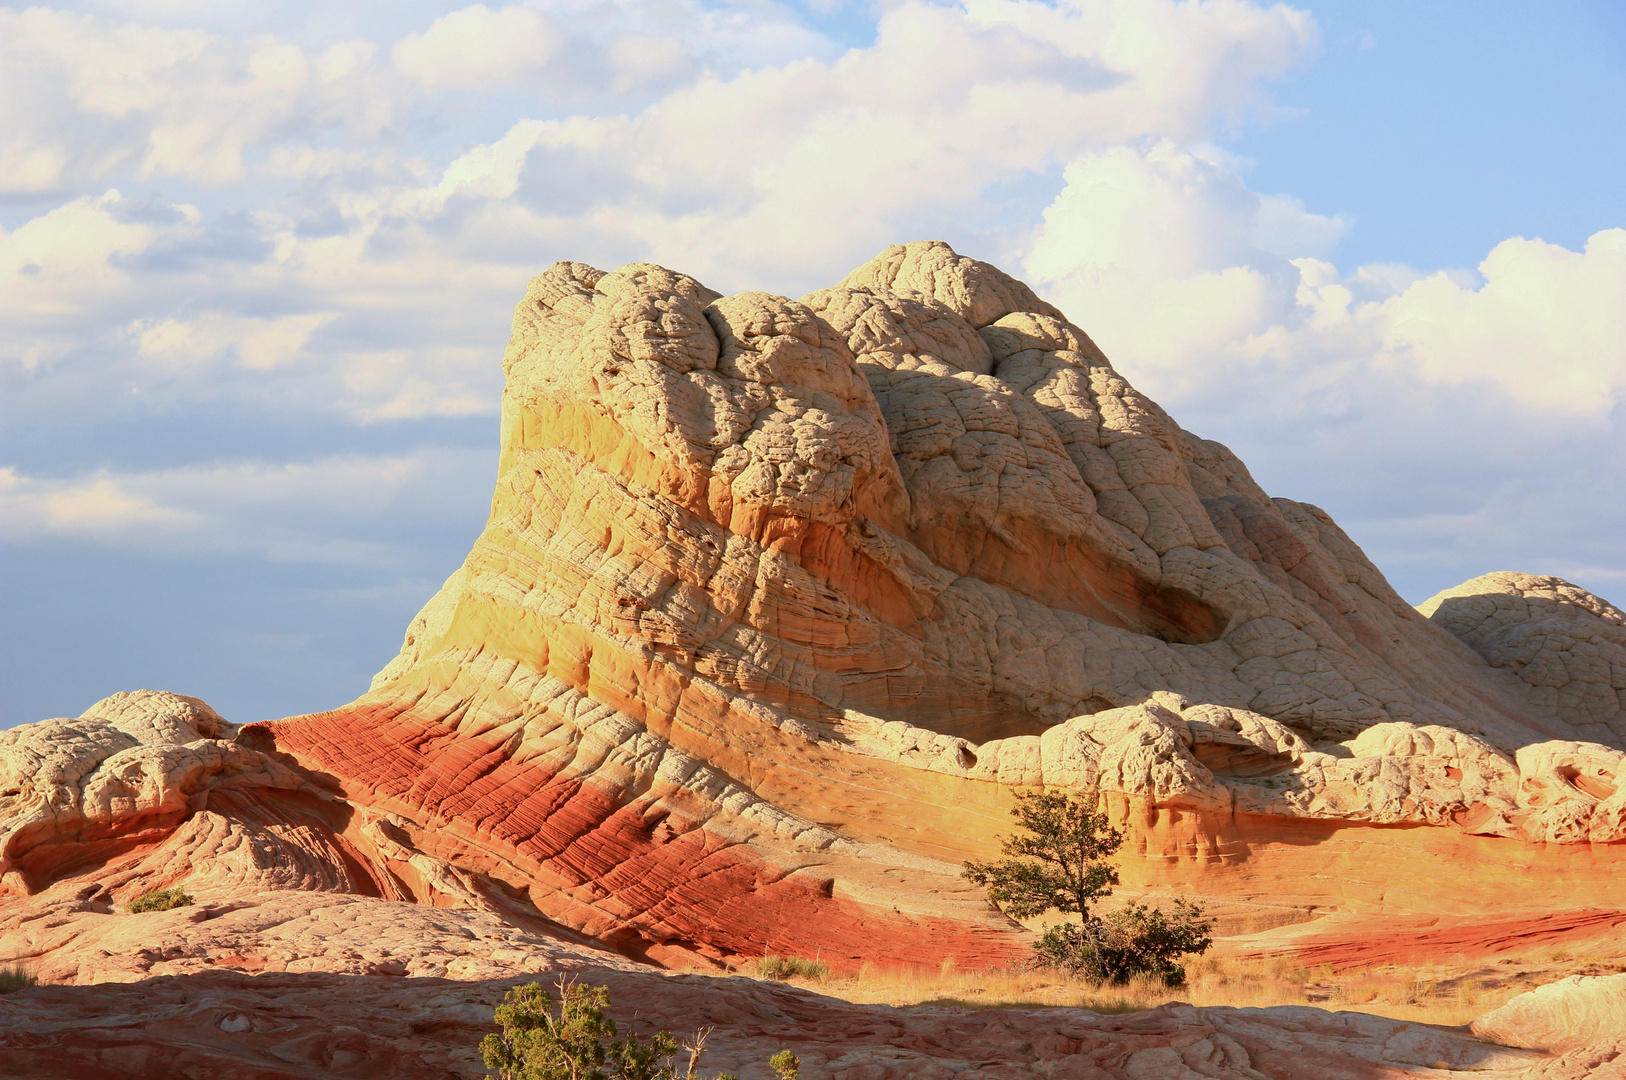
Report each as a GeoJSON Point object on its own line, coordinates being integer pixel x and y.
{"type": "Point", "coordinates": [1570, 1014]}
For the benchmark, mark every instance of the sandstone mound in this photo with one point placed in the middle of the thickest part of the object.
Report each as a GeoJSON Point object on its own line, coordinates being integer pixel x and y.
{"type": "Point", "coordinates": [1567, 645]}
{"type": "Point", "coordinates": [1571, 1014]}
{"type": "Point", "coordinates": [779, 603]}
{"type": "Point", "coordinates": [779, 600]}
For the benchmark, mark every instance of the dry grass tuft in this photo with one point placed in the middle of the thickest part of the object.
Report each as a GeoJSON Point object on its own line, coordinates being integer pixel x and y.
{"type": "Point", "coordinates": [13, 978]}
{"type": "Point", "coordinates": [783, 968]}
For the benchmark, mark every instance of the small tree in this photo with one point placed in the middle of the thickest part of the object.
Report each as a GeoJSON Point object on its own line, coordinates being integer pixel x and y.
{"type": "Point", "coordinates": [1059, 864]}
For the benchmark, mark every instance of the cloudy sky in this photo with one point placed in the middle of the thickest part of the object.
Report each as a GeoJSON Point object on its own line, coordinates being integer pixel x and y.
{"type": "Point", "coordinates": [258, 264]}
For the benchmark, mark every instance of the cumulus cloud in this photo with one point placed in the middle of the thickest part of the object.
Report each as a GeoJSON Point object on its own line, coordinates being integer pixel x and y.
{"type": "Point", "coordinates": [95, 506]}
{"type": "Point", "coordinates": [66, 259]}
{"type": "Point", "coordinates": [738, 178]}
{"type": "Point", "coordinates": [257, 344]}
{"type": "Point", "coordinates": [1548, 324]}
{"type": "Point", "coordinates": [477, 47]}
{"type": "Point", "coordinates": [204, 228]}
{"type": "Point", "coordinates": [370, 281]}
{"type": "Point", "coordinates": [320, 511]}
{"type": "Point", "coordinates": [1180, 270]}
{"type": "Point", "coordinates": [167, 102]}
{"type": "Point", "coordinates": [1440, 415]}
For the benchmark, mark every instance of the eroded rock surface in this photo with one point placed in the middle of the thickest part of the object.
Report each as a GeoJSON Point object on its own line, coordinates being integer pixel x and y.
{"type": "Point", "coordinates": [1571, 1014]}
{"type": "Point", "coordinates": [781, 601]}
{"type": "Point", "coordinates": [284, 984]}
{"type": "Point", "coordinates": [1567, 645]}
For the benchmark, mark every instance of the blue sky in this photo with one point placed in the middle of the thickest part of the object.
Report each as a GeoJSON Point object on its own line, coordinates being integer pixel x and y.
{"type": "Point", "coordinates": [260, 262]}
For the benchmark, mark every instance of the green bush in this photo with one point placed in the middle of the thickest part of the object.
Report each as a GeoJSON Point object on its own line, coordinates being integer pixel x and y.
{"type": "Point", "coordinates": [574, 1039]}
{"type": "Point", "coordinates": [791, 967]}
{"type": "Point", "coordinates": [14, 978]}
{"type": "Point", "coordinates": [1059, 866]}
{"type": "Point", "coordinates": [159, 900]}
{"type": "Point", "coordinates": [1134, 940]}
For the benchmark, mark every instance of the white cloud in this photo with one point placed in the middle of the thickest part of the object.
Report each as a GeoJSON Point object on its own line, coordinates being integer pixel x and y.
{"type": "Point", "coordinates": [26, 168]}
{"type": "Point", "coordinates": [738, 179]}
{"type": "Point", "coordinates": [1549, 324]}
{"type": "Point", "coordinates": [641, 59]}
{"type": "Point", "coordinates": [258, 344]}
{"type": "Point", "coordinates": [1180, 271]}
{"type": "Point", "coordinates": [94, 506]}
{"type": "Point", "coordinates": [66, 260]}
{"type": "Point", "coordinates": [355, 185]}
{"type": "Point", "coordinates": [172, 102]}
{"type": "Point", "coordinates": [328, 510]}
{"type": "Point", "coordinates": [477, 47]}
{"type": "Point", "coordinates": [734, 177]}
{"type": "Point", "coordinates": [490, 171]}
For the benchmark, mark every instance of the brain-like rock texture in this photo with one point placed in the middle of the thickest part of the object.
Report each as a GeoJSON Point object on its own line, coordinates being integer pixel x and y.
{"type": "Point", "coordinates": [780, 602]}
{"type": "Point", "coordinates": [1567, 645]}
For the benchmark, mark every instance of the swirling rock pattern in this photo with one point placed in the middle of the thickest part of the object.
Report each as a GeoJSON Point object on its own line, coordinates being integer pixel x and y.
{"type": "Point", "coordinates": [779, 603]}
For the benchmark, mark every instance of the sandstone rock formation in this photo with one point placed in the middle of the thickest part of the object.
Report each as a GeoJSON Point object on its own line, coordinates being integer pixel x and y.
{"type": "Point", "coordinates": [293, 886]}
{"type": "Point", "coordinates": [1567, 645]}
{"type": "Point", "coordinates": [780, 600]}
{"type": "Point", "coordinates": [350, 986]}
{"type": "Point", "coordinates": [1570, 1014]}
{"type": "Point", "coordinates": [778, 605]}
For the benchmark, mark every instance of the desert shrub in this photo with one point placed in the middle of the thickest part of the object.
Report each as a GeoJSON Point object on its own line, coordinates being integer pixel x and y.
{"type": "Point", "coordinates": [575, 1039]}
{"type": "Point", "coordinates": [159, 900]}
{"type": "Point", "coordinates": [14, 978]}
{"type": "Point", "coordinates": [791, 967]}
{"type": "Point", "coordinates": [1134, 940]}
{"type": "Point", "coordinates": [1058, 863]}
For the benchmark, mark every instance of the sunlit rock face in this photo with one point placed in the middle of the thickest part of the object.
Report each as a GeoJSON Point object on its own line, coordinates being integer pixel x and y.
{"type": "Point", "coordinates": [779, 603]}
{"type": "Point", "coordinates": [1566, 645]}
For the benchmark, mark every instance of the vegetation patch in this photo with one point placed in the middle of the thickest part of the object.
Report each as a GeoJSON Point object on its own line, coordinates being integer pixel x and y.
{"type": "Point", "coordinates": [574, 1038]}
{"type": "Point", "coordinates": [159, 900]}
{"type": "Point", "coordinates": [14, 978]}
{"type": "Point", "coordinates": [791, 967]}
{"type": "Point", "coordinates": [1059, 864]}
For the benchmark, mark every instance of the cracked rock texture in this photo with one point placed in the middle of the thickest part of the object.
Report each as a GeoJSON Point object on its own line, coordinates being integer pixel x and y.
{"type": "Point", "coordinates": [1564, 643]}
{"type": "Point", "coordinates": [779, 604]}
{"type": "Point", "coordinates": [780, 600]}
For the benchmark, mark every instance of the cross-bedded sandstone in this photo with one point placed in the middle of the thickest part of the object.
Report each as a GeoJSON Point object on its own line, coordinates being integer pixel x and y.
{"type": "Point", "coordinates": [780, 601]}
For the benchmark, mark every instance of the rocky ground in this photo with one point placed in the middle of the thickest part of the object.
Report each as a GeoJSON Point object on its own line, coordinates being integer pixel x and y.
{"type": "Point", "coordinates": [274, 984]}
